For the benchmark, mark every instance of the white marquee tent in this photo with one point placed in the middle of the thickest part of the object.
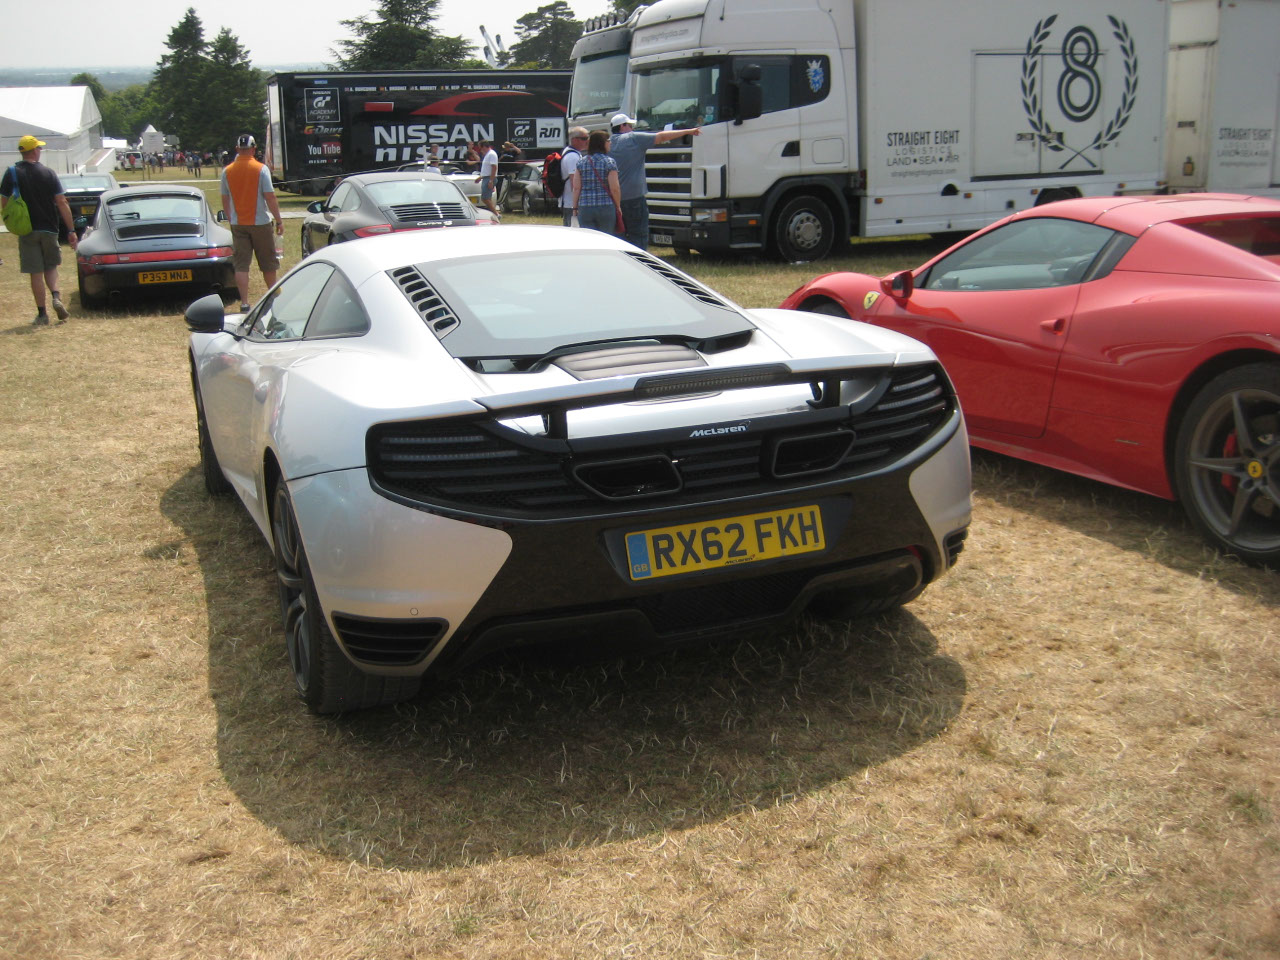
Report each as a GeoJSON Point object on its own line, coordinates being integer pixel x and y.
{"type": "Point", "coordinates": [66, 118]}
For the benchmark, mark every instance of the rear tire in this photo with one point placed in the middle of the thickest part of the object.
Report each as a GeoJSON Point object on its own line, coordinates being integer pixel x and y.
{"type": "Point", "coordinates": [326, 680]}
{"type": "Point", "coordinates": [828, 308]}
{"type": "Point", "coordinates": [803, 230]}
{"type": "Point", "coordinates": [1227, 463]}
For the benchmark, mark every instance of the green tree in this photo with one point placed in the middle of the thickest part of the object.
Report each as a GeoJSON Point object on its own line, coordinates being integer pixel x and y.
{"type": "Point", "coordinates": [400, 36]}
{"type": "Point", "coordinates": [95, 87]}
{"type": "Point", "coordinates": [126, 113]}
{"type": "Point", "coordinates": [204, 93]}
{"type": "Point", "coordinates": [625, 7]}
{"type": "Point", "coordinates": [178, 85]}
{"type": "Point", "coordinates": [239, 88]}
{"type": "Point", "coordinates": [547, 36]}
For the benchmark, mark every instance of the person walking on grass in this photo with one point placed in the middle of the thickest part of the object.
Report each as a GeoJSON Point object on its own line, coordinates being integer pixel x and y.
{"type": "Point", "coordinates": [38, 252]}
{"type": "Point", "coordinates": [249, 201]}
{"type": "Point", "coordinates": [488, 178]}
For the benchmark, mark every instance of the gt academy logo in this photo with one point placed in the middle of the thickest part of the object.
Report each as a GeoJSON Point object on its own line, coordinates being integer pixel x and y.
{"type": "Point", "coordinates": [321, 106]}
{"type": "Point", "coordinates": [1079, 88]}
{"type": "Point", "coordinates": [720, 431]}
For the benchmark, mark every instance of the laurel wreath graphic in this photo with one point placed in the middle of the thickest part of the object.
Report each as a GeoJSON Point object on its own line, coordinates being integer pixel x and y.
{"type": "Point", "coordinates": [1031, 91]}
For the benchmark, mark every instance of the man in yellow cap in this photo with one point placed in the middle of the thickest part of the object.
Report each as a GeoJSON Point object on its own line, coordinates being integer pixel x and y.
{"type": "Point", "coordinates": [38, 252]}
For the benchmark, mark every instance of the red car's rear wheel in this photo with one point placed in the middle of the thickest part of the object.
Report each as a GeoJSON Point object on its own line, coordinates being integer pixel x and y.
{"type": "Point", "coordinates": [1228, 462]}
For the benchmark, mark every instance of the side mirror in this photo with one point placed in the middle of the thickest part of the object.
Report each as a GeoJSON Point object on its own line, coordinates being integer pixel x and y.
{"type": "Point", "coordinates": [206, 315]}
{"type": "Point", "coordinates": [899, 285]}
{"type": "Point", "coordinates": [316, 206]}
{"type": "Point", "coordinates": [221, 216]}
{"type": "Point", "coordinates": [750, 96]}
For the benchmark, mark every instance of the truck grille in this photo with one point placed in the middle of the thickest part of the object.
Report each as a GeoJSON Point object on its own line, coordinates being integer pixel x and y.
{"type": "Point", "coordinates": [669, 175]}
{"type": "Point", "coordinates": [478, 465]}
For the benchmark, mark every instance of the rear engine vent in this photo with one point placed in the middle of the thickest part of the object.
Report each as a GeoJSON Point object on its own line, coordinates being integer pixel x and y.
{"type": "Point", "coordinates": [136, 231]}
{"type": "Point", "coordinates": [433, 310]}
{"type": "Point", "coordinates": [389, 643]}
{"type": "Point", "coordinates": [691, 287]}
{"type": "Point", "coordinates": [954, 543]}
{"type": "Point", "coordinates": [429, 212]}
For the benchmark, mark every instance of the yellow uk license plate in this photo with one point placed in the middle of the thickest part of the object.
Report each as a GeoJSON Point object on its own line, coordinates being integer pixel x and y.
{"type": "Point", "coordinates": [164, 276]}
{"type": "Point", "coordinates": [689, 548]}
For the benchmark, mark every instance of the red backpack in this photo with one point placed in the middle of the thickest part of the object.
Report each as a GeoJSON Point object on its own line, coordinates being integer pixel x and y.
{"type": "Point", "coordinates": [552, 176]}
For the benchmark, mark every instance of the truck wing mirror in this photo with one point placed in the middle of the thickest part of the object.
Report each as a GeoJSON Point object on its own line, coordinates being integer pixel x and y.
{"type": "Point", "coordinates": [750, 96]}
{"type": "Point", "coordinates": [899, 285]}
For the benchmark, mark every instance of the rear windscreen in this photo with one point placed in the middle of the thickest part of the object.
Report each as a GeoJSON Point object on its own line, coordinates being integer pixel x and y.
{"type": "Point", "coordinates": [1259, 236]}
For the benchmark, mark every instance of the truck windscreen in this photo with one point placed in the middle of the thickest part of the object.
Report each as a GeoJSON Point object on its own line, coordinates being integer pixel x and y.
{"type": "Point", "coordinates": [679, 96]}
{"type": "Point", "coordinates": [598, 84]}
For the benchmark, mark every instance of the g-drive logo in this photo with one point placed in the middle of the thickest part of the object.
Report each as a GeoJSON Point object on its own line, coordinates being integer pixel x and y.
{"type": "Point", "coordinates": [720, 431]}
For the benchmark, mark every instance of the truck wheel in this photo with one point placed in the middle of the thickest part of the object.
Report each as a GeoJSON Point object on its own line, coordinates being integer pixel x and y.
{"type": "Point", "coordinates": [803, 230]}
{"type": "Point", "coordinates": [1227, 465]}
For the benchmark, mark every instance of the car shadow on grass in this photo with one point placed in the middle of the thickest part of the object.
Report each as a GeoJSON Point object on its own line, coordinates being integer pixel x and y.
{"type": "Point", "coordinates": [1132, 521]}
{"type": "Point", "coordinates": [549, 748]}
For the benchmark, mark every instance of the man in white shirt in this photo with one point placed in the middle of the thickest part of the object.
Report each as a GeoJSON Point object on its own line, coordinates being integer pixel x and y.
{"type": "Point", "coordinates": [568, 164]}
{"type": "Point", "coordinates": [489, 177]}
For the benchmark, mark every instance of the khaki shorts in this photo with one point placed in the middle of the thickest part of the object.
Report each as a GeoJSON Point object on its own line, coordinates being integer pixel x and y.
{"type": "Point", "coordinates": [38, 251]}
{"type": "Point", "coordinates": [249, 241]}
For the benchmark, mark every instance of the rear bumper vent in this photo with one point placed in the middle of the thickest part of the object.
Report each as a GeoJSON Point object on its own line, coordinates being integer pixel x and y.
{"type": "Point", "coordinates": [388, 643]}
{"type": "Point", "coordinates": [954, 543]}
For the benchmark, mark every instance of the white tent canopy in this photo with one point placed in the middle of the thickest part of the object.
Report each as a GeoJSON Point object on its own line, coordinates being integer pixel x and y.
{"type": "Point", "coordinates": [66, 118]}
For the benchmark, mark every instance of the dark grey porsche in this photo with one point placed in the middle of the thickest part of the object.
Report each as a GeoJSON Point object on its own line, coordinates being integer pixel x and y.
{"type": "Point", "coordinates": [153, 239]}
{"type": "Point", "coordinates": [371, 204]}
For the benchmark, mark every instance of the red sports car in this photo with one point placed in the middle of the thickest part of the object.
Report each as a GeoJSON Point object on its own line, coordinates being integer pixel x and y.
{"type": "Point", "coordinates": [1133, 340]}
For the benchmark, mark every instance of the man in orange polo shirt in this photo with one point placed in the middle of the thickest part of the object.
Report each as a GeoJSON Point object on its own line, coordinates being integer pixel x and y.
{"type": "Point", "coordinates": [249, 201]}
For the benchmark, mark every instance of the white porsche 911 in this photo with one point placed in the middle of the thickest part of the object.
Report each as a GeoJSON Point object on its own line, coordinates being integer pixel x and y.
{"type": "Point", "coordinates": [461, 440]}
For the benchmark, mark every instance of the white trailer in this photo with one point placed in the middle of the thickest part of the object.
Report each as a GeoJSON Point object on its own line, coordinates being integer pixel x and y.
{"type": "Point", "coordinates": [822, 119]}
{"type": "Point", "coordinates": [1224, 96]}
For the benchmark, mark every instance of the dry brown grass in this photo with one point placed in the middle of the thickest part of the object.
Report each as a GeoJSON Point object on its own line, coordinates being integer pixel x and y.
{"type": "Point", "coordinates": [1068, 748]}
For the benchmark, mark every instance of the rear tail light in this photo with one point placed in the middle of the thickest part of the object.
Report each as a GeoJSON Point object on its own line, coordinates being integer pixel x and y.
{"type": "Point", "coordinates": [92, 264]}
{"type": "Point", "coordinates": [374, 230]}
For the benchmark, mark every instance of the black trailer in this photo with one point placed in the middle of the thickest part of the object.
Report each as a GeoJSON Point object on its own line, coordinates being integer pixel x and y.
{"type": "Point", "coordinates": [324, 126]}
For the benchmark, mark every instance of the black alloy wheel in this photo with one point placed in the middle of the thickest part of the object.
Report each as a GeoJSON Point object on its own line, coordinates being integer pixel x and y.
{"type": "Point", "coordinates": [1227, 467]}
{"type": "Point", "coordinates": [325, 679]}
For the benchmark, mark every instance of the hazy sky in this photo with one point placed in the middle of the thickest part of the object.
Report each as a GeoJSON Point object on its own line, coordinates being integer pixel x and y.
{"type": "Point", "coordinates": [132, 33]}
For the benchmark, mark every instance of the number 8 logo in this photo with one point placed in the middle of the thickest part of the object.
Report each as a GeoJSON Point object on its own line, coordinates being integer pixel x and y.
{"type": "Point", "coordinates": [1079, 67]}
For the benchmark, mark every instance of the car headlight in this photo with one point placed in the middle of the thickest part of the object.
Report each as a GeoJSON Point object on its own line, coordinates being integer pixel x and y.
{"type": "Point", "coordinates": [711, 215]}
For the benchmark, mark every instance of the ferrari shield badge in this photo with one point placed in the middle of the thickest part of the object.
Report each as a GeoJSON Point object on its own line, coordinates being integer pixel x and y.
{"type": "Point", "coordinates": [869, 299]}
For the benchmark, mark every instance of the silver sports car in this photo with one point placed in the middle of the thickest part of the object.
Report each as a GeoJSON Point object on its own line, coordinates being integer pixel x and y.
{"type": "Point", "coordinates": [460, 440]}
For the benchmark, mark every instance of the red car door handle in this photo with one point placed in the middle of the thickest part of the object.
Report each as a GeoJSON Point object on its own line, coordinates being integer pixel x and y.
{"type": "Point", "coordinates": [1056, 325]}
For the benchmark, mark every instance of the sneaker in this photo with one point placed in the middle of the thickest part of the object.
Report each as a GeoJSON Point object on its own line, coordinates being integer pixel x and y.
{"type": "Point", "coordinates": [59, 309]}
{"type": "Point", "coordinates": [244, 308]}
{"type": "Point", "coordinates": [41, 320]}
